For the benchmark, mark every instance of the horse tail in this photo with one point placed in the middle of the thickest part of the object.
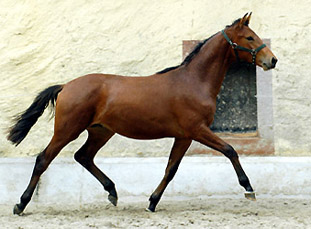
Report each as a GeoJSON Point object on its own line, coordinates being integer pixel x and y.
{"type": "Point", "coordinates": [28, 118]}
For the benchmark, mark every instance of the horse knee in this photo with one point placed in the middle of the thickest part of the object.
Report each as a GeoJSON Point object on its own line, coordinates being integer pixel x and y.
{"type": "Point", "coordinates": [229, 152]}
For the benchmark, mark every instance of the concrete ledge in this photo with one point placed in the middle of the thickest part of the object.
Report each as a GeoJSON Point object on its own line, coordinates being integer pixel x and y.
{"type": "Point", "coordinates": [67, 181]}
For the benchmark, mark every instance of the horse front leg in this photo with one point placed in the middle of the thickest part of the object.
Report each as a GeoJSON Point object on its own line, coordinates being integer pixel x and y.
{"type": "Point", "coordinates": [178, 151]}
{"type": "Point", "coordinates": [208, 138]}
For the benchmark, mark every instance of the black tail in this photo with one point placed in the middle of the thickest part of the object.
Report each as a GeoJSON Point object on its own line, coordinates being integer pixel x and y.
{"type": "Point", "coordinates": [27, 119]}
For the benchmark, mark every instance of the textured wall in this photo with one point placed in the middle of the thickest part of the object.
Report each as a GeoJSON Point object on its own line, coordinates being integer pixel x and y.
{"type": "Point", "coordinates": [47, 42]}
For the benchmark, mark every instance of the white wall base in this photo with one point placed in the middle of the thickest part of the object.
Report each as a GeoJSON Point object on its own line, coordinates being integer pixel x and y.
{"type": "Point", "coordinates": [66, 181]}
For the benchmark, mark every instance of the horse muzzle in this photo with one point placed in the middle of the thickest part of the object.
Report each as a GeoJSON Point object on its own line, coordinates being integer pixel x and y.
{"type": "Point", "coordinates": [270, 64]}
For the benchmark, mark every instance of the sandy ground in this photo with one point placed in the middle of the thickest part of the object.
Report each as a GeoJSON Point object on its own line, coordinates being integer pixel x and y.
{"type": "Point", "coordinates": [200, 212]}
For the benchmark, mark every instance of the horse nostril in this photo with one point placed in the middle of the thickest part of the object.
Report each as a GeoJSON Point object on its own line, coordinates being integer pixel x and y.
{"type": "Point", "coordinates": [273, 61]}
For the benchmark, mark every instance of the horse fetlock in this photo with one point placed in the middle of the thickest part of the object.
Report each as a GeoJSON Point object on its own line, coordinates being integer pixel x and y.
{"type": "Point", "coordinates": [154, 200]}
{"type": "Point", "coordinates": [244, 182]}
{"type": "Point", "coordinates": [25, 199]}
{"type": "Point", "coordinates": [110, 187]}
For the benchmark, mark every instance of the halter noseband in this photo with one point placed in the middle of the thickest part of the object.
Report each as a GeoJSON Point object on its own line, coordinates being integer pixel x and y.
{"type": "Point", "coordinates": [235, 47]}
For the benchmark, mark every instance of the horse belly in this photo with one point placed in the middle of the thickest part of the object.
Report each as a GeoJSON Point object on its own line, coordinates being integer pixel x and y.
{"type": "Point", "coordinates": [136, 124]}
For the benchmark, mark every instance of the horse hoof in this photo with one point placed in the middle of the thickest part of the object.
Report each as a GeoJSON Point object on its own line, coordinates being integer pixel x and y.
{"type": "Point", "coordinates": [113, 200]}
{"type": "Point", "coordinates": [250, 196]}
{"type": "Point", "coordinates": [149, 210]}
{"type": "Point", "coordinates": [17, 210]}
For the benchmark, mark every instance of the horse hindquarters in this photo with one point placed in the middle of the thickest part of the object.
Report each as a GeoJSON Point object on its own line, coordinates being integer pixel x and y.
{"type": "Point", "coordinates": [70, 121]}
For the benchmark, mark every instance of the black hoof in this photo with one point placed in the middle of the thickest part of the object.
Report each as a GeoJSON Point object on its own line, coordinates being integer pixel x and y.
{"type": "Point", "coordinates": [17, 210]}
{"type": "Point", "coordinates": [151, 207]}
{"type": "Point", "coordinates": [113, 199]}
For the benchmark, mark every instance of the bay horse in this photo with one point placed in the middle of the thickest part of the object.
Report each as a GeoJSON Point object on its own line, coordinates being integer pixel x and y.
{"type": "Point", "coordinates": [178, 102]}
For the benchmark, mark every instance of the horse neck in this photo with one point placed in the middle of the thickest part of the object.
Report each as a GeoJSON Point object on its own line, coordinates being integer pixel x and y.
{"type": "Point", "coordinates": [211, 64]}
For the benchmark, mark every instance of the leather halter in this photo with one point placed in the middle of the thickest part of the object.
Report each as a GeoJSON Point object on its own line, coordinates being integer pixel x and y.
{"type": "Point", "coordinates": [236, 47]}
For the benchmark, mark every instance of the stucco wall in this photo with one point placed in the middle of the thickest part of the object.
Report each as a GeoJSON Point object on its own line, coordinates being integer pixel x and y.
{"type": "Point", "coordinates": [47, 42]}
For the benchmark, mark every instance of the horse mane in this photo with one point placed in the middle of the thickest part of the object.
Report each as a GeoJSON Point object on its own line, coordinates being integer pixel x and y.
{"type": "Point", "coordinates": [194, 52]}
{"type": "Point", "coordinates": [188, 58]}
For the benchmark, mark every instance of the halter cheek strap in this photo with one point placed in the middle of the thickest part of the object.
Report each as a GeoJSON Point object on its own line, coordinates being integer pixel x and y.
{"type": "Point", "coordinates": [236, 47]}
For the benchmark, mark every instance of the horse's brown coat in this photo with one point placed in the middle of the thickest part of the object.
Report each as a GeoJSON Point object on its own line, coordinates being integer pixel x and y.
{"type": "Point", "coordinates": [179, 103]}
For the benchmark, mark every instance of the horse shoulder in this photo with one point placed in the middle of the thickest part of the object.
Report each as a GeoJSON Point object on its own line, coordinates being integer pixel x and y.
{"type": "Point", "coordinates": [192, 113]}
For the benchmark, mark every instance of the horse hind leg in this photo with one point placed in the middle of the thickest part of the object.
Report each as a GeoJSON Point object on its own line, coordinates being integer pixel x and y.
{"type": "Point", "coordinates": [43, 160]}
{"type": "Point", "coordinates": [98, 136]}
{"type": "Point", "coordinates": [66, 129]}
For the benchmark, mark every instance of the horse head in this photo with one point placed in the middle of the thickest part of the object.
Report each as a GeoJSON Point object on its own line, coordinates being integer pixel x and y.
{"type": "Point", "coordinates": [247, 45]}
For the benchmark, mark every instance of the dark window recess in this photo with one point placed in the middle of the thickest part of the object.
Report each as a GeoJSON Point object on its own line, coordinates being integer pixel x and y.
{"type": "Point", "coordinates": [236, 109]}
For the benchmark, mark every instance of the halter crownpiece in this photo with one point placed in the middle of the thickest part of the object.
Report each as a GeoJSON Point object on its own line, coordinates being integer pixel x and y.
{"type": "Point", "coordinates": [235, 47]}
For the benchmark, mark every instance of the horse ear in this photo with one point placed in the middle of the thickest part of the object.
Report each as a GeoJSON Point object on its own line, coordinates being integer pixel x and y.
{"type": "Point", "coordinates": [243, 20]}
{"type": "Point", "coordinates": [248, 19]}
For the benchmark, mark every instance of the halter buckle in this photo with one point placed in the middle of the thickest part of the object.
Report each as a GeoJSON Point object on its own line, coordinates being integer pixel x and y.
{"type": "Point", "coordinates": [254, 52]}
{"type": "Point", "coordinates": [234, 45]}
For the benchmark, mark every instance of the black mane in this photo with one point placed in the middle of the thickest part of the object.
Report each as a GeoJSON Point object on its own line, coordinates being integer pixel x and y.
{"type": "Point", "coordinates": [188, 58]}
{"type": "Point", "coordinates": [168, 69]}
{"type": "Point", "coordinates": [194, 52]}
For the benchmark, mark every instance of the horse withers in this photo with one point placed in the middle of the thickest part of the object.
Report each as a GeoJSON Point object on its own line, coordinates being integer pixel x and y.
{"type": "Point", "coordinates": [178, 102]}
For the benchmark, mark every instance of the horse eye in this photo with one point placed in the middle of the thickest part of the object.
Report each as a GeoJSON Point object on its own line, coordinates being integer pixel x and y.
{"type": "Point", "coordinates": [250, 38]}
